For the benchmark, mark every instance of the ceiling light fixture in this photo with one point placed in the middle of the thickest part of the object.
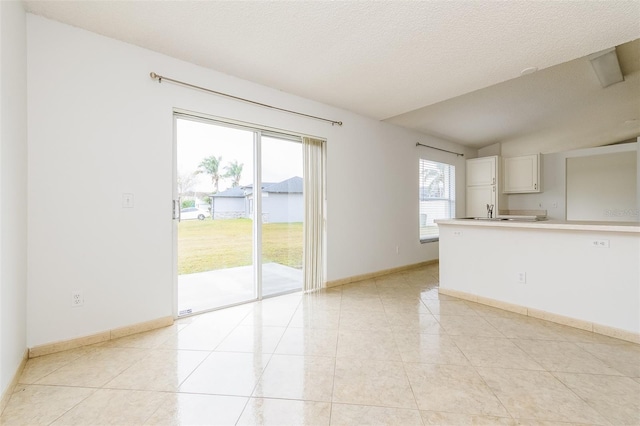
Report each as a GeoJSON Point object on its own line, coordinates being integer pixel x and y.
{"type": "Point", "coordinates": [605, 64]}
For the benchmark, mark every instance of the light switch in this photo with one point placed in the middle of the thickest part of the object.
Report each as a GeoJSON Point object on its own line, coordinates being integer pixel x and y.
{"type": "Point", "coordinates": [127, 201]}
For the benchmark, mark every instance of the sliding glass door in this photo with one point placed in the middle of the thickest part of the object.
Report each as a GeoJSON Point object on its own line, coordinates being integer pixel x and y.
{"type": "Point", "coordinates": [282, 215]}
{"type": "Point", "coordinates": [239, 222]}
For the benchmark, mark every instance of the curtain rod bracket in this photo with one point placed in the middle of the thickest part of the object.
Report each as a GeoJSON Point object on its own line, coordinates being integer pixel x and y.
{"type": "Point", "coordinates": [158, 77]}
{"type": "Point", "coordinates": [440, 149]}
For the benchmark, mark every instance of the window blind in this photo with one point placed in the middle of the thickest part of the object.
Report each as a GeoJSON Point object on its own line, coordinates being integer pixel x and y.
{"type": "Point", "coordinates": [437, 196]}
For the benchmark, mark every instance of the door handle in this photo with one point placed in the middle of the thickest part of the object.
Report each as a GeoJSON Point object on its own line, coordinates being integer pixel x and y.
{"type": "Point", "coordinates": [175, 213]}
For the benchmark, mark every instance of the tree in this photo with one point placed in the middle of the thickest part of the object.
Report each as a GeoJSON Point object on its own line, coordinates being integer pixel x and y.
{"type": "Point", "coordinates": [234, 172]}
{"type": "Point", "coordinates": [433, 182]}
{"type": "Point", "coordinates": [211, 165]}
{"type": "Point", "coordinates": [185, 183]}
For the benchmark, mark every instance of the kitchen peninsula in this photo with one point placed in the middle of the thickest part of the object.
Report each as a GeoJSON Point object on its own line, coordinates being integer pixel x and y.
{"type": "Point", "coordinates": [582, 274]}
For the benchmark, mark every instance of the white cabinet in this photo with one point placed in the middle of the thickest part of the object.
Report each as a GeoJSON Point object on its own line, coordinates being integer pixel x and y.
{"type": "Point", "coordinates": [483, 177]}
{"type": "Point", "coordinates": [477, 199]}
{"type": "Point", "coordinates": [522, 174]}
{"type": "Point", "coordinates": [482, 171]}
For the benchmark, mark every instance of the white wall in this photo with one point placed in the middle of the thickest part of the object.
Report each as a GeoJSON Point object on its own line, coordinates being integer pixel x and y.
{"type": "Point", "coordinates": [602, 187]}
{"type": "Point", "coordinates": [100, 127]}
{"type": "Point", "coordinates": [13, 189]}
{"type": "Point", "coordinates": [283, 207]}
{"type": "Point", "coordinates": [553, 170]}
{"type": "Point", "coordinates": [565, 273]}
{"type": "Point", "coordinates": [488, 151]}
{"type": "Point", "coordinates": [229, 207]}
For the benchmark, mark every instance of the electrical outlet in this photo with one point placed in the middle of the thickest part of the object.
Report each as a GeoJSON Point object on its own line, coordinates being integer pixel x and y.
{"type": "Point", "coordinates": [77, 299]}
{"type": "Point", "coordinates": [127, 201]}
{"type": "Point", "coordinates": [397, 249]}
{"type": "Point", "coordinates": [457, 233]}
{"type": "Point", "coordinates": [522, 277]}
{"type": "Point", "coordinates": [600, 243]}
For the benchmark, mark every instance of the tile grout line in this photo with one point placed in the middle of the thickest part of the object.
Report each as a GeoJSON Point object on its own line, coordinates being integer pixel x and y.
{"type": "Point", "coordinates": [335, 361]}
{"type": "Point", "coordinates": [253, 390]}
{"type": "Point", "coordinates": [331, 415]}
{"type": "Point", "coordinates": [475, 369]}
{"type": "Point", "coordinates": [76, 404]}
{"type": "Point", "coordinates": [581, 398]}
{"type": "Point", "coordinates": [210, 352]}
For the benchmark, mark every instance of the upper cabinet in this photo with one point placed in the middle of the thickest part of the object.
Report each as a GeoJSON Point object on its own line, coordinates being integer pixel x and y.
{"type": "Point", "coordinates": [521, 174]}
{"type": "Point", "coordinates": [482, 171]}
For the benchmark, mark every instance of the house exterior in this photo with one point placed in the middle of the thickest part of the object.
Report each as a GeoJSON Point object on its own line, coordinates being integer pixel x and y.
{"type": "Point", "coordinates": [282, 202]}
{"type": "Point", "coordinates": [230, 204]}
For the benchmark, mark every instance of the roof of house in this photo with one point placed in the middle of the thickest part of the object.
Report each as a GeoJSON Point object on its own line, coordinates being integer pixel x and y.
{"type": "Point", "coordinates": [235, 192]}
{"type": "Point", "coordinates": [292, 185]}
{"type": "Point", "coordinates": [289, 186]}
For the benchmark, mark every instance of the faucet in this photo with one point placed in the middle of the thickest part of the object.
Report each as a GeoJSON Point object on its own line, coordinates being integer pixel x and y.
{"type": "Point", "coordinates": [489, 211]}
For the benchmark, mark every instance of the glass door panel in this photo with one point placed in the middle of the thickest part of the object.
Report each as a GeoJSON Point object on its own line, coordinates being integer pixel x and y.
{"type": "Point", "coordinates": [282, 215]}
{"type": "Point", "coordinates": [215, 231]}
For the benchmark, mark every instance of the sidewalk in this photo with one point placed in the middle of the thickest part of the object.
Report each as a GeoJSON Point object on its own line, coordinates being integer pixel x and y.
{"type": "Point", "coordinates": [208, 290]}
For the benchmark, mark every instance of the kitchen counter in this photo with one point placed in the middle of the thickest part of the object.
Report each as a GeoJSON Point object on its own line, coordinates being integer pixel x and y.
{"type": "Point", "coordinates": [583, 274]}
{"type": "Point", "coordinates": [633, 227]}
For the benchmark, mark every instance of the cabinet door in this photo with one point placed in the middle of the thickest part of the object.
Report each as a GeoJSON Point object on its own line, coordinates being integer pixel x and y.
{"type": "Point", "coordinates": [481, 171]}
{"type": "Point", "coordinates": [477, 199]}
{"type": "Point", "coordinates": [521, 174]}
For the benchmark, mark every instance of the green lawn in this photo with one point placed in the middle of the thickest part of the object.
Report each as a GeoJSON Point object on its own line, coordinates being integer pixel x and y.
{"type": "Point", "coordinates": [205, 245]}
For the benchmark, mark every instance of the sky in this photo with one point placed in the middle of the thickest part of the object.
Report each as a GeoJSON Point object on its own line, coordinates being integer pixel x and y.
{"type": "Point", "coordinates": [281, 159]}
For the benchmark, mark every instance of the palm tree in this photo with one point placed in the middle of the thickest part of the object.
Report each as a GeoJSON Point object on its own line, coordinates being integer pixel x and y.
{"type": "Point", "coordinates": [234, 171]}
{"type": "Point", "coordinates": [433, 181]}
{"type": "Point", "coordinates": [211, 165]}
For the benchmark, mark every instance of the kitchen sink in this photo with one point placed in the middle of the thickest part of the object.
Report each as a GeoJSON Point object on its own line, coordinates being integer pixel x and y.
{"type": "Point", "coordinates": [511, 218]}
{"type": "Point", "coordinates": [485, 218]}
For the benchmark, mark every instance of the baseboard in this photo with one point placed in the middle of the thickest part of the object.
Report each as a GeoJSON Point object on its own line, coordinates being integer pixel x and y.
{"type": "Point", "coordinates": [104, 336]}
{"type": "Point", "coordinates": [383, 272]}
{"type": "Point", "coordinates": [593, 327]}
{"type": "Point", "coordinates": [6, 395]}
{"type": "Point", "coordinates": [141, 327]}
{"type": "Point", "coordinates": [617, 333]}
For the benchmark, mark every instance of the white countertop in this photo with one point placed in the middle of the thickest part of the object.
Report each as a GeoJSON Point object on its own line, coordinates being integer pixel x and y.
{"type": "Point", "coordinates": [632, 227]}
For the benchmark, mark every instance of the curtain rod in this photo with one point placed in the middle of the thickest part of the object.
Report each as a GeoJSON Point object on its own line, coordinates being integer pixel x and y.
{"type": "Point", "coordinates": [439, 149]}
{"type": "Point", "coordinates": [158, 77]}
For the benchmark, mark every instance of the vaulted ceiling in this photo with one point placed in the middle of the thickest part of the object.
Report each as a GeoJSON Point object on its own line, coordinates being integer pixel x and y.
{"type": "Point", "coordinates": [445, 68]}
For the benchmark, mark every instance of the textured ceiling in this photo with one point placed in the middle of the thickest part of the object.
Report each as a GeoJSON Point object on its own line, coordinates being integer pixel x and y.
{"type": "Point", "coordinates": [561, 107]}
{"type": "Point", "coordinates": [380, 59]}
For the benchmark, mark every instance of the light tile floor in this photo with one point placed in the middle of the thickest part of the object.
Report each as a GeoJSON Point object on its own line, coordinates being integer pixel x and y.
{"type": "Point", "coordinates": [385, 351]}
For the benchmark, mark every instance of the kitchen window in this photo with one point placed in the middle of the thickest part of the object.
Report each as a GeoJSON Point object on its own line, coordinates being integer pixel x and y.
{"type": "Point", "coordinates": [437, 200]}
